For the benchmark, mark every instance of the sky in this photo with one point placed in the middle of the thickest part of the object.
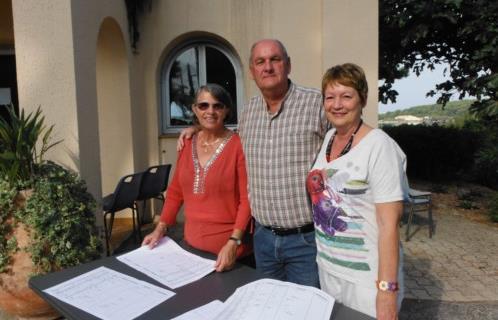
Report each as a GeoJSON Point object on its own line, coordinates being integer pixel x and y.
{"type": "Point", "coordinates": [412, 90]}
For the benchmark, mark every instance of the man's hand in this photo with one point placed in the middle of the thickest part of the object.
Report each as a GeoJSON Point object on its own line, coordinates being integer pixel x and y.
{"type": "Point", "coordinates": [186, 133]}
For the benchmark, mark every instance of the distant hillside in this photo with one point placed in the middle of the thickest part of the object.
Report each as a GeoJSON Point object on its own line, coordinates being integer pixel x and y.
{"type": "Point", "coordinates": [454, 109]}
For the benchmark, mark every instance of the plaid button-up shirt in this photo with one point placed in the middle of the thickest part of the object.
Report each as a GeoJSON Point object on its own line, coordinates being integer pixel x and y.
{"type": "Point", "coordinates": [279, 150]}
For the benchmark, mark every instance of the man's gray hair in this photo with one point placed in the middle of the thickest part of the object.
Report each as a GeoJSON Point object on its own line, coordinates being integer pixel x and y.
{"type": "Point", "coordinates": [278, 42]}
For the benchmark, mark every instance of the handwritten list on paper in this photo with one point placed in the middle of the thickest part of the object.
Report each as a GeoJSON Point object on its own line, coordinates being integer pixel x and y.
{"type": "Point", "coordinates": [168, 263]}
{"type": "Point", "coordinates": [110, 295]}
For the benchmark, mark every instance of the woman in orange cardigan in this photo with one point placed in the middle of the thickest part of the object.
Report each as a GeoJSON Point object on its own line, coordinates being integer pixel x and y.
{"type": "Point", "coordinates": [210, 179]}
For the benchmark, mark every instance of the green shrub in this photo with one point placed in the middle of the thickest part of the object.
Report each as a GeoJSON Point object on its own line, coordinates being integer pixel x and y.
{"type": "Point", "coordinates": [436, 153]}
{"type": "Point", "coordinates": [61, 213]}
{"type": "Point", "coordinates": [24, 140]}
{"type": "Point", "coordinates": [493, 208]}
{"type": "Point", "coordinates": [467, 204]}
{"type": "Point", "coordinates": [7, 246]}
{"type": "Point", "coordinates": [485, 169]}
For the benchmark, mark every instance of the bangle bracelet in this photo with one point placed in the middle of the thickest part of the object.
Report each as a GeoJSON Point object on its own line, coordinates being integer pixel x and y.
{"type": "Point", "coordinates": [383, 285]}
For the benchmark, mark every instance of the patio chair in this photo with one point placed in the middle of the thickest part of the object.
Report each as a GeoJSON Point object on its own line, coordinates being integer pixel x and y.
{"type": "Point", "coordinates": [154, 183]}
{"type": "Point", "coordinates": [124, 197]}
{"type": "Point", "coordinates": [419, 201]}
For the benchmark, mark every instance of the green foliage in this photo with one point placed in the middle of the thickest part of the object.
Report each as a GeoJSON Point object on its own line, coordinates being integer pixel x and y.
{"type": "Point", "coordinates": [7, 246]}
{"type": "Point", "coordinates": [485, 170]}
{"type": "Point", "coordinates": [453, 109]}
{"type": "Point", "coordinates": [441, 154]}
{"type": "Point", "coordinates": [467, 204]}
{"type": "Point", "coordinates": [18, 144]}
{"type": "Point", "coordinates": [493, 208]}
{"type": "Point", "coordinates": [60, 215]}
{"type": "Point", "coordinates": [436, 153]}
{"type": "Point", "coordinates": [417, 35]}
{"type": "Point", "coordinates": [60, 211]}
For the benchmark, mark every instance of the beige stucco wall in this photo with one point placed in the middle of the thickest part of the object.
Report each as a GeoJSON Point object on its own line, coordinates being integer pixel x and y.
{"type": "Point", "coordinates": [317, 34]}
{"type": "Point", "coordinates": [114, 109]}
{"type": "Point", "coordinates": [57, 50]}
{"type": "Point", "coordinates": [45, 70]}
{"type": "Point", "coordinates": [55, 45]}
{"type": "Point", "coordinates": [351, 34]}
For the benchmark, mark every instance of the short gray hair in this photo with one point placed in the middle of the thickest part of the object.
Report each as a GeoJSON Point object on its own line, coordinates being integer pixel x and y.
{"type": "Point", "coordinates": [278, 42]}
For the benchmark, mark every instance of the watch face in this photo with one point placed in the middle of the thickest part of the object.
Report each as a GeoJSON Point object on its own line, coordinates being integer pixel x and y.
{"type": "Point", "coordinates": [387, 286]}
{"type": "Point", "coordinates": [237, 241]}
{"type": "Point", "coordinates": [383, 285]}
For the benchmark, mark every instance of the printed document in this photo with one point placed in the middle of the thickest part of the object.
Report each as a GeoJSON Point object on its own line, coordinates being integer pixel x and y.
{"type": "Point", "coordinates": [208, 311]}
{"type": "Point", "coordinates": [273, 299]}
{"type": "Point", "coordinates": [110, 295]}
{"type": "Point", "coordinates": [168, 263]}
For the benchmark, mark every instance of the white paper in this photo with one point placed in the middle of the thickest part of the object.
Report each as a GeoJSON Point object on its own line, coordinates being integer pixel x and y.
{"type": "Point", "coordinates": [208, 311]}
{"type": "Point", "coordinates": [273, 299]}
{"type": "Point", "coordinates": [168, 263]}
{"type": "Point", "coordinates": [110, 295]}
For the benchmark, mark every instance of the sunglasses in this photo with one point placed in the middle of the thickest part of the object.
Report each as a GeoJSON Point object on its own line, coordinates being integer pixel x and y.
{"type": "Point", "coordinates": [205, 105]}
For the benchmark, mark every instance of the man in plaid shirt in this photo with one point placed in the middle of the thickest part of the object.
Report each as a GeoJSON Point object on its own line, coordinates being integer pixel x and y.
{"type": "Point", "coordinates": [282, 129]}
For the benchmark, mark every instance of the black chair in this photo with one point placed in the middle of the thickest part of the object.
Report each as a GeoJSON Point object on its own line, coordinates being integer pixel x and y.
{"type": "Point", "coordinates": [124, 197]}
{"type": "Point", "coordinates": [154, 183]}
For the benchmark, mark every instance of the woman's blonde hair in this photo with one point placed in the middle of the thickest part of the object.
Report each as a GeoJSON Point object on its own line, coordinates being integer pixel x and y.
{"type": "Point", "coordinates": [350, 75]}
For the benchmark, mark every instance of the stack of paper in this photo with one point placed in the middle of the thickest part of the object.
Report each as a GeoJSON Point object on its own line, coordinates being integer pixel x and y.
{"type": "Point", "coordinates": [269, 299]}
{"type": "Point", "coordinates": [168, 263]}
{"type": "Point", "coordinates": [110, 295]}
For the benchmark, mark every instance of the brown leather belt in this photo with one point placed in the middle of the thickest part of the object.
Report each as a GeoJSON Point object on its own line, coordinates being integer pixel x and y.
{"type": "Point", "coordinates": [288, 231]}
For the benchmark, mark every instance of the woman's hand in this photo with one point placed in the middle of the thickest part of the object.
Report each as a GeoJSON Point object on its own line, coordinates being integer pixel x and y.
{"type": "Point", "coordinates": [153, 238]}
{"type": "Point", "coordinates": [226, 257]}
{"type": "Point", "coordinates": [186, 133]}
{"type": "Point", "coordinates": [386, 304]}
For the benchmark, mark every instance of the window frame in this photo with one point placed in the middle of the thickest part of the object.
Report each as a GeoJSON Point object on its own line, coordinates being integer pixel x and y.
{"type": "Point", "coordinates": [201, 44]}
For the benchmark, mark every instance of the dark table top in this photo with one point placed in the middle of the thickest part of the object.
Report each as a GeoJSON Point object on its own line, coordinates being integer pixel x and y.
{"type": "Point", "coordinates": [213, 286]}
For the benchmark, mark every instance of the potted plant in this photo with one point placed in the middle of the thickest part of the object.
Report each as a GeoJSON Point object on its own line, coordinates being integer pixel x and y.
{"type": "Point", "coordinates": [47, 219]}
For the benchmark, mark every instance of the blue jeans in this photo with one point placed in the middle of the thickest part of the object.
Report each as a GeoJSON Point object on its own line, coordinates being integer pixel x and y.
{"type": "Point", "coordinates": [289, 258]}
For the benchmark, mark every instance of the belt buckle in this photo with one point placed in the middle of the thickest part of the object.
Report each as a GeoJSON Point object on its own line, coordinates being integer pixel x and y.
{"type": "Point", "coordinates": [277, 231]}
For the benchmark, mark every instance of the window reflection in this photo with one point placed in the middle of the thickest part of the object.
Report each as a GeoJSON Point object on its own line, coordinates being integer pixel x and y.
{"type": "Point", "coordinates": [183, 82]}
{"type": "Point", "coordinates": [192, 66]}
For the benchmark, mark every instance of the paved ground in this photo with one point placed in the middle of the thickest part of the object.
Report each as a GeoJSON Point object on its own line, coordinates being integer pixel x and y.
{"type": "Point", "coordinates": [454, 275]}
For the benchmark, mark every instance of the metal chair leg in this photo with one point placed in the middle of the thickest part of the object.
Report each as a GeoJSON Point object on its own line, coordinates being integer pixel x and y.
{"type": "Point", "coordinates": [108, 231]}
{"type": "Point", "coordinates": [138, 223]}
{"type": "Point", "coordinates": [106, 234]}
{"type": "Point", "coordinates": [410, 217]}
{"type": "Point", "coordinates": [431, 221]}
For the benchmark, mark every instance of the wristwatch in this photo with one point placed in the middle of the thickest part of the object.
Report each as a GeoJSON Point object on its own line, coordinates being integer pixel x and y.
{"type": "Point", "coordinates": [237, 241]}
{"type": "Point", "coordinates": [387, 286]}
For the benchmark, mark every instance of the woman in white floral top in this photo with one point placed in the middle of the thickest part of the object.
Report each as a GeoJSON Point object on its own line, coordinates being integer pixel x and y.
{"type": "Point", "coordinates": [357, 186]}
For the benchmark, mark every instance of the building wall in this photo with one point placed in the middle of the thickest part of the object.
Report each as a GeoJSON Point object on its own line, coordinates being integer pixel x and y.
{"type": "Point", "coordinates": [55, 46]}
{"type": "Point", "coordinates": [317, 35]}
{"type": "Point", "coordinates": [57, 50]}
{"type": "Point", "coordinates": [351, 34]}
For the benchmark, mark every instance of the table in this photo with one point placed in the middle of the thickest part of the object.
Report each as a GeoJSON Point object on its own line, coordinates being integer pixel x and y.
{"type": "Point", "coordinates": [214, 286]}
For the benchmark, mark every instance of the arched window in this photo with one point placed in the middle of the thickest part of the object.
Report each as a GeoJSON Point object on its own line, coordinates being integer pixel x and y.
{"type": "Point", "coordinates": [190, 66]}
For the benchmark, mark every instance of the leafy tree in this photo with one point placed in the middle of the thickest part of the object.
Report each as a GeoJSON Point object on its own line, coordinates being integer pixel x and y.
{"type": "Point", "coordinates": [462, 34]}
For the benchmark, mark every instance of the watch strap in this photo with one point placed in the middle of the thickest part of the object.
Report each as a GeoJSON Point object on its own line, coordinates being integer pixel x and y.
{"type": "Point", "coordinates": [237, 241]}
{"type": "Point", "coordinates": [383, 285]}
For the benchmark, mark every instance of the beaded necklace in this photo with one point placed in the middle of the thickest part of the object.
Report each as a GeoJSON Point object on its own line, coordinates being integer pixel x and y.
{"type": "Point", "coordinates": [348, 145]}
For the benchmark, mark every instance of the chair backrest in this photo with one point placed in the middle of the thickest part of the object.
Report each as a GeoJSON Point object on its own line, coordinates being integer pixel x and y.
{"type": "Point", "coordinates": [154, 181]}
{"type": "Point", "coordinates": [126, 191]}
